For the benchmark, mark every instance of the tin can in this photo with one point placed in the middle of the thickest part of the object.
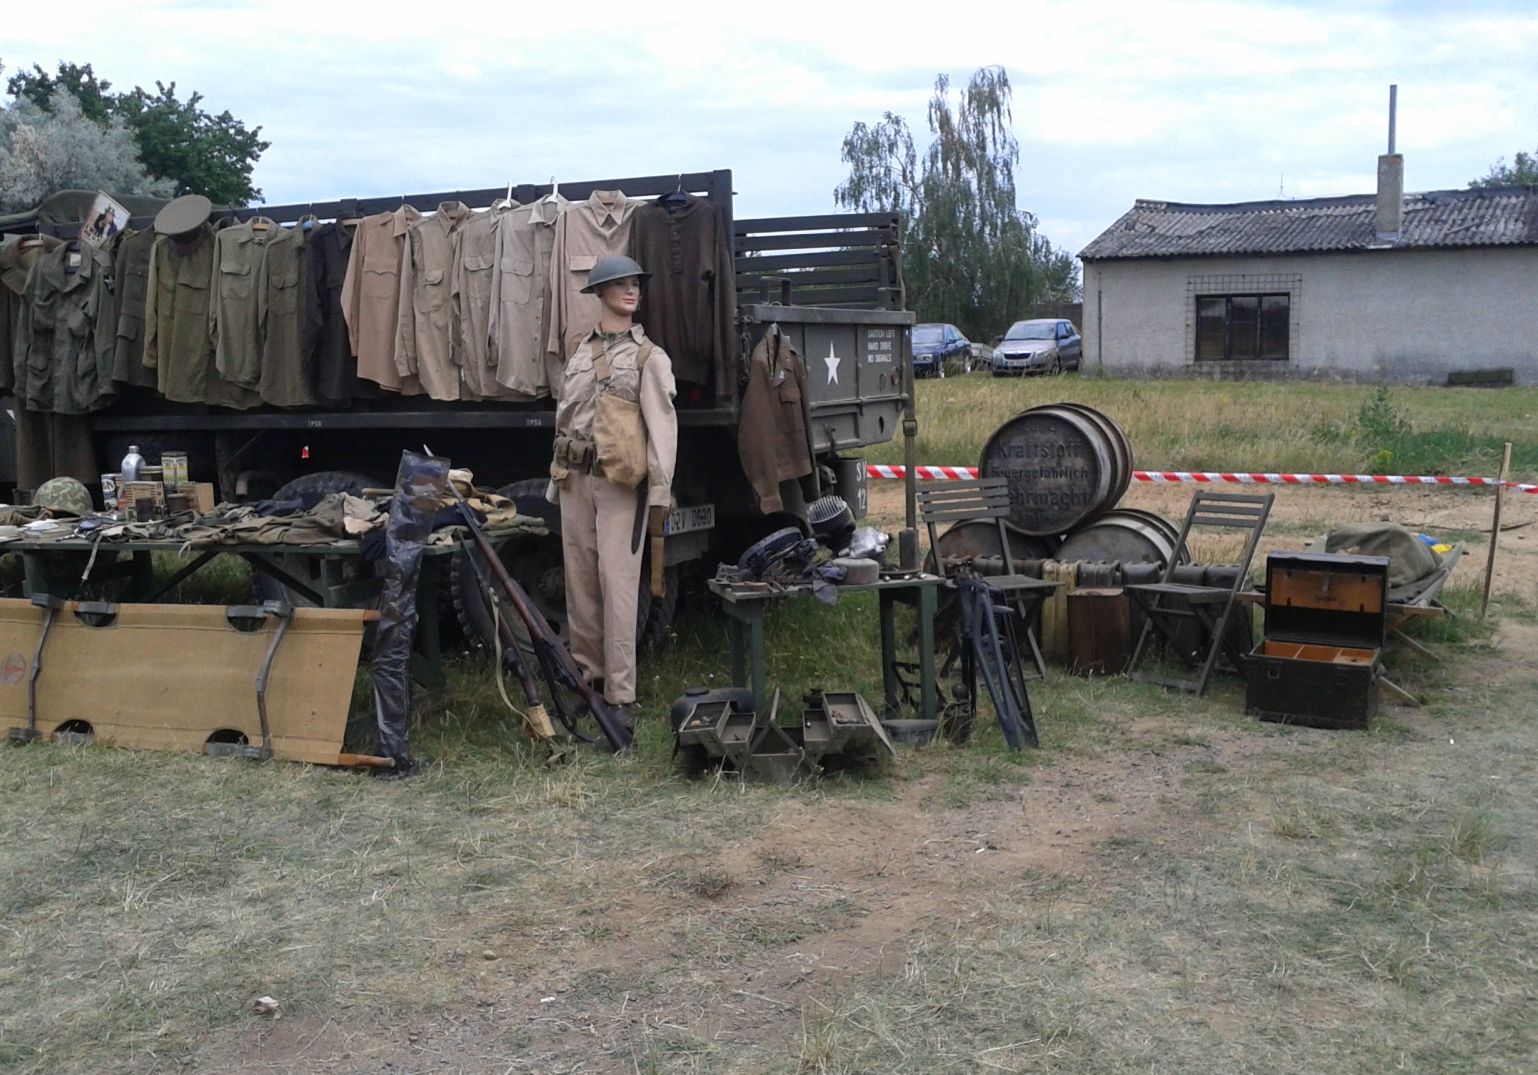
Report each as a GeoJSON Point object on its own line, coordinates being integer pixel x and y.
{"type": "Point", "coordinates": [174, 467]}
{"type": "Point", "coordinates": [109, 487]}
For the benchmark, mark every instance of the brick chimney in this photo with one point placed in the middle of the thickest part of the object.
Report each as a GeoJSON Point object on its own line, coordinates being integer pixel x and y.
{"type": "Point", "coordinates": [1390, 196]}
{"type": "Point", "coordinates": [1391, 180]}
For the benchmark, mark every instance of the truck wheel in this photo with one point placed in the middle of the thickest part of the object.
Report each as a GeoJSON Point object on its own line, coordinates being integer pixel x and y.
{"type": "Point", "coordinates": [535, 563]}
{"type": "Point", "coordinates": [307, 568]}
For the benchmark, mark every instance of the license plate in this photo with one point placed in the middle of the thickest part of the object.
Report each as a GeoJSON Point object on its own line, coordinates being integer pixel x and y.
{"type": "Point", "coordinates": [687, 519]}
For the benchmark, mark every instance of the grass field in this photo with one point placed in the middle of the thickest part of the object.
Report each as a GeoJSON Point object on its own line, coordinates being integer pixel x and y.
{"type": "Point", "coordinates": [1167, 886]}
{"type": "Point", "coordinates": [1224, 425]}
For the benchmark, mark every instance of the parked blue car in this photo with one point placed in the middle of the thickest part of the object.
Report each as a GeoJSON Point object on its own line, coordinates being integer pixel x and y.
{"type": "Point", "coordinates": [940, 349]}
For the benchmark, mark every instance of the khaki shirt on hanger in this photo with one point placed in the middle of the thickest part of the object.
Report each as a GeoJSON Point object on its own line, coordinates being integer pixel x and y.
{"type": "Point", "coordinates": [425, 330]}
{"type": "Point", "coordinates": [587, 231]}
{"type": "Point", "coordinates": [520, 306]}
{"type": "Point", "coordinates": [475, 256]}
{"type": "Point", "coordinates": [371, 297]}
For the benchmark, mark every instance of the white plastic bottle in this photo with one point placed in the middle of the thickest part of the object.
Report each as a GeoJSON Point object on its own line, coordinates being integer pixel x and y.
{"type": "Point", "coordinates": [133, 462]}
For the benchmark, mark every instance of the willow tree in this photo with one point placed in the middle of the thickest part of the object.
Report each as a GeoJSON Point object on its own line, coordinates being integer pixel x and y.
{"type": "Point", "coordinates": [971, 256]}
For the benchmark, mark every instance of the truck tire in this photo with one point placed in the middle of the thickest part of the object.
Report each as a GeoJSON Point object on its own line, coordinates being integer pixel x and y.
{"type": "Point", "coordinates": [537, 564]}
{"type": "Point", "coordinates": [307, 568]}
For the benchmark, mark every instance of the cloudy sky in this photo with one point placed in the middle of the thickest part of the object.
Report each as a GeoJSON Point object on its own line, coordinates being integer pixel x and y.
{"type": "Point", "coordinates": [1216, 101]}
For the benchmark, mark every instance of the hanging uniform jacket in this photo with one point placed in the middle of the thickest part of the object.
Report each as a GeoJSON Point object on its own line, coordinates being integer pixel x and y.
{"type": "Point", "coordinates": [470, 289]}
{"type": "Point", "coordinates": [689, 305]}
{"type": "Point", "coordinates": [424, 342]}
{"type": "Point", "coordinates": [371, 297]}
{"type": "Point", "coordinates": [178, 337]}
{"type": "Point", "coordinates": [17, 256]}
{"type": "Point", "coordinates": [327, 348]}
{"type": "Point", "coordinates": [68, 331]}
{"type": "Point", "coordinates": [47, 445]}
{"type": "Point", "coordinates": [587, 231]}
{"type": "Point", "coordinates": [234, 318]}
{"type": "Point", "coordinates": [285, 378]}
{"type": "Point", "coordinates": [131, 267]}
{"type": "Point", "coordinates": [520, 306]}
{"type": "Point", "coordinates": [773, 433]}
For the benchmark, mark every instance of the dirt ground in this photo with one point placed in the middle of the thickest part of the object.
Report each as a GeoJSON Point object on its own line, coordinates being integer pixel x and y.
{"type": "Point", "coordinates": [690, 961]}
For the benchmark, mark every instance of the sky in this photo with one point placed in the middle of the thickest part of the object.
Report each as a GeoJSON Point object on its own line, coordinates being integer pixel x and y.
{"type": "Point", "coordinates": [1209, 101]}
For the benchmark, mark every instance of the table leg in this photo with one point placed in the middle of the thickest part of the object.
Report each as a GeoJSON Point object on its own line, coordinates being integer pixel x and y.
{"type": "Point", "coordinates": [927, 687]}
{"type": "Point", "coordinates": [891, 687]}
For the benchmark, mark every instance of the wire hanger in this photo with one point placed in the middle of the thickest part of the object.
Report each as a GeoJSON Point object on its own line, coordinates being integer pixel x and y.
{"type": "Point", "coordinates": [676, 196]}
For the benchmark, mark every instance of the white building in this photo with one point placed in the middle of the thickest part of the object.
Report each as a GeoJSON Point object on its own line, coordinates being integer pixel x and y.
{"type": "Point", "coordinates": [1410, 289]}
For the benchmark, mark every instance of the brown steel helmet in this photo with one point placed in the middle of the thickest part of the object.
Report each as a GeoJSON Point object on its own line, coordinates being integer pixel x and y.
{"type": "Point", "coordinates": [614, 267]}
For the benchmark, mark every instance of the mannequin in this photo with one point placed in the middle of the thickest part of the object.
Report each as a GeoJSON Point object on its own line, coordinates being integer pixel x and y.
{"type": "Point", "coordinates": [612, 475]}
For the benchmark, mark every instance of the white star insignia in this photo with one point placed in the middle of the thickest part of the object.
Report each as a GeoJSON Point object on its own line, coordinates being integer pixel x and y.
{"type": "Point", "coordinates": [832, 362]}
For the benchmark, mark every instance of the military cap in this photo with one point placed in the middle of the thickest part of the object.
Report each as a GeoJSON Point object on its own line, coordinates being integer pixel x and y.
{"type": "Point", "coordinates": [184, 214]}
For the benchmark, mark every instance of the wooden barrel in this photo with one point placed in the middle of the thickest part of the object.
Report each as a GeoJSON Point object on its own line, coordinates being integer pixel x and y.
{"type": "Point", "coordinates": [1065, 463]}
{"type": "Point", "coordinates": [1124, 534]}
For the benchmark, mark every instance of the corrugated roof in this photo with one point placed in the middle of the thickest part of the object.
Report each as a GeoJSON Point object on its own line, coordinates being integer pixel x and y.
{"type": "Point", "coordinates": [1499, 216]}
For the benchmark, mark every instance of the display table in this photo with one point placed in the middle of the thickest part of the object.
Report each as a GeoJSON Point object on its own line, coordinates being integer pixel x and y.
{"type": "Point", "coordinates": [338, 577]}
{"type": "Point", "coordinates": [746, 604]}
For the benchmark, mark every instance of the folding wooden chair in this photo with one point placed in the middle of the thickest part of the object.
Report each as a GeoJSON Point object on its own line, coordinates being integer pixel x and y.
{"type": "Point", "coordinates": [984, 499]}
{"type": "Point", "coordinates": [1166, 604]}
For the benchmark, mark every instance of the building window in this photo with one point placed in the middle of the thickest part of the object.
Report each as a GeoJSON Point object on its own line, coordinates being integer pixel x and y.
{"type": "Point", "coordinates": [1239, 327]}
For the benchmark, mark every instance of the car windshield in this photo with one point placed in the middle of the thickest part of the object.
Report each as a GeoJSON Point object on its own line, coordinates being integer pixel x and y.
{"type": "Point", "coordinates": [926, 334]}
{"type": "Point", "coordinates": [1028, 330]}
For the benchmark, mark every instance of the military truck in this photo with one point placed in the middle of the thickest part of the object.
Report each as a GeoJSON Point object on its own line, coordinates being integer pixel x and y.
{"type": "Point", "coordinates": [832, 284]}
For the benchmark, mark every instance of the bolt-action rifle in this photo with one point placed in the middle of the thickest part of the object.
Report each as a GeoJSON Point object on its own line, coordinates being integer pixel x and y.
{"type": "Point", "coordinates": [555, 661]}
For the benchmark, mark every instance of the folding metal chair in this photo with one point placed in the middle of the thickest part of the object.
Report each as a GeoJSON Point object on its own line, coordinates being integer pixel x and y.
{"type": "Point", "coordinates": [984, 499]}
{"type": "Point", "coordinates": [1167, 605]}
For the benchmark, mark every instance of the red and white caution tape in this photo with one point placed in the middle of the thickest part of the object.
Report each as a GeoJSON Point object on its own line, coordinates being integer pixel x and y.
{"type": "Point", "coordinates": [878, 470]}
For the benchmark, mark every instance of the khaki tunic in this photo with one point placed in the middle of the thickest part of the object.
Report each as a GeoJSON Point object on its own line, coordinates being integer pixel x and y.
{"type": "Point", "coordinates": [652, 388]}
{"type": "Point", "coordinates": [587, 231]}
{"type": "Point", "coordinates": [425, 330]}
{"type": "Point", "coordinates": [285, 378]}
{"type": "Point", "coordinates": [520, 288]}
{"type": "Point", "coordinates": [371, 297]}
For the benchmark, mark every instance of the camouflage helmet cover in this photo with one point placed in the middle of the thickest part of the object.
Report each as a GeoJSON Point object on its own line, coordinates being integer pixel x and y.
{"type": "Point", "coordinates": [65, 495]}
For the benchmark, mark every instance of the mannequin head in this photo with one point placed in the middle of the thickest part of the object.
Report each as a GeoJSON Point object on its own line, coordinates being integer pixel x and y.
{"type": "Point", "coordinates": [620, 299]}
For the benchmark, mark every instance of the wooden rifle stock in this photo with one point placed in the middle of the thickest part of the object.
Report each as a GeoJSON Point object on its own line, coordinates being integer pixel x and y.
{"type": "Point", "coordinates": [546, 645]}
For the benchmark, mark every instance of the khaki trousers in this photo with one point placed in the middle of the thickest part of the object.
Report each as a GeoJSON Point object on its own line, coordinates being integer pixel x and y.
{"type": "Point", "coordinates": [603, 579]}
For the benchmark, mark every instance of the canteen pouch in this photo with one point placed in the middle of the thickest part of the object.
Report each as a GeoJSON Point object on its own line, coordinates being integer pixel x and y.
{"type": "Point", "coordinates": [619, 431]}
{"type": "Point", "coordinates": [620, 436]}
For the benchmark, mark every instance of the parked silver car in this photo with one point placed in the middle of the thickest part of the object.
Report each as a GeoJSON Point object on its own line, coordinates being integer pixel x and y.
{"type": "Point", "coordinates": [1040, 345]}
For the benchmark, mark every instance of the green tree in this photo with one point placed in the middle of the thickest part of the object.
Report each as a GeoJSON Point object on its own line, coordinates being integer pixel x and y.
{"type": "Point", "coordinates": [971, 256]}
{"type": "Point", "coordinates": [60, 147]}
{"type": "Point", "coordinates": [198, 152]}
{"type": "Point", "coordinates": [1523, 172]}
